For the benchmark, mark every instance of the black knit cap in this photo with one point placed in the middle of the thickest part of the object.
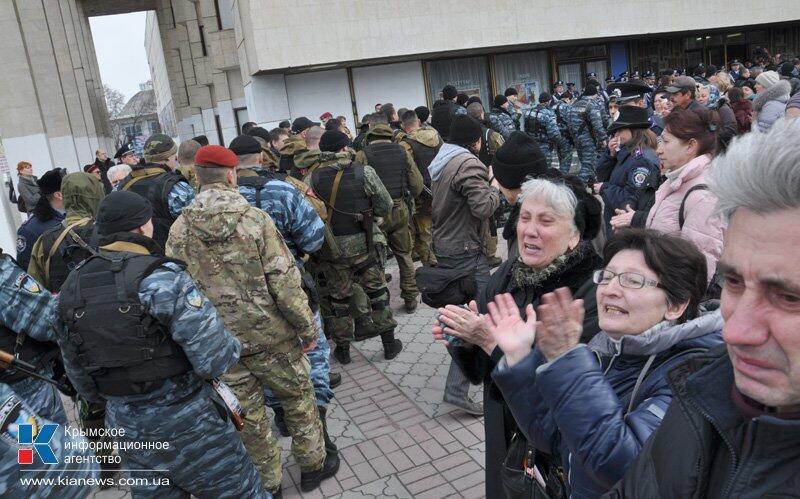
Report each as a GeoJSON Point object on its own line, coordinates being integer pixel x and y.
{"type": "Point", "coordinates": [519, 157]}
{"type": "Point", "coordinates": [244, 144]}
{"type": "Point", "coordinates": [464, 130]}
{"type": "Point", "coordinates": [333, 141]}
{"type": "Point", "coordinates": [50, 182]}
{"type": "Point", "coordinates": [122, 211]}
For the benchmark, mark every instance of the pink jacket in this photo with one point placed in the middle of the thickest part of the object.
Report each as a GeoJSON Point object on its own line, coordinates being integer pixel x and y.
{"type": "Point", "coordinates": [701, 225]}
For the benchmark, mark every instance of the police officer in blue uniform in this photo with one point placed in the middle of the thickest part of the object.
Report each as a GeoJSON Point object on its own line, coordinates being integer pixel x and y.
{"type": "Point", "coordinates": [47, 213]}
{"type": "Point", "coordinates": [26, 332]}
{"type": "Point", "coordinates": [629, 163]}
{"type": "Point", "coordinates": [635, 93]}
{"type": "Point", "coordinates": [135, 330]}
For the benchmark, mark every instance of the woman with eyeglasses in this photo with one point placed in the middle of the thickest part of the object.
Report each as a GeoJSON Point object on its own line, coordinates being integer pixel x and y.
{"type": "Point", "coordinates": [596, 404]}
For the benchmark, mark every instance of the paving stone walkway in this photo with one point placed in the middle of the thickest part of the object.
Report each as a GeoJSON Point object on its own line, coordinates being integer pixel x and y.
{"type": "Point", "coordinates": [396, 437]}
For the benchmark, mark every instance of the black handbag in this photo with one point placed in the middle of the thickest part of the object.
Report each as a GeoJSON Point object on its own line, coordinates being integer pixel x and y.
{"type": "Point", "coordinates": [518, 475]}
{"type": "Point", "coordinates": [440, 286]}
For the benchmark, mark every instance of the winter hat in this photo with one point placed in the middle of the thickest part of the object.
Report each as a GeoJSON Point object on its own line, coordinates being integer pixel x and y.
{"type": "Point", "coordinates": [768, 78]}
{"type": "Point", "coordinates": [499, 100]}
{"type": "Point", "coordinates": [160, 147]}
{"type": "Point", "coordinates": [449, 92]}
{"type": "Point", "coordinates": [122, 211]}
{"type": "Point", "coordinates": [215, 156]}
{"type": "Point", "coordinates": [519, 157]}
{"type": "Point", "coordinates": [244, 144]}
{"type": "Point", "coordinates": [50, 182]}
{"type": "Point", "coordinates": [333, 141]}
{"type": "Point", "coordinates": [464, 130]}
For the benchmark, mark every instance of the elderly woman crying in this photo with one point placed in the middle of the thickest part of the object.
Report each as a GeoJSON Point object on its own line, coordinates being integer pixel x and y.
{"type": "Point", "coordinates": [557, 220]}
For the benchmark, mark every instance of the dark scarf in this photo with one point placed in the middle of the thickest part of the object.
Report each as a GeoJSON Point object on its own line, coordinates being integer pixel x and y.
{"type": "Point", "coordinates": [132, 237]}
{"type": "Point", "coordinates": [530, 279]}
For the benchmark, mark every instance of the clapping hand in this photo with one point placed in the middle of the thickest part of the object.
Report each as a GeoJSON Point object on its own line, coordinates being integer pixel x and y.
{"type": "Point", "coordinates": [463, 323]}
{"type": "Point", "coordinates": [622, 218]}
{"type": "Point", "coordinates": [513, 335]}
{"type": "Point", "coordinates": [561, 323]}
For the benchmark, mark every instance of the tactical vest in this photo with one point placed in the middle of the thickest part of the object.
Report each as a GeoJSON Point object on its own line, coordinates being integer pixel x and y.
{"type": "Point", "coordinates": [389, 162]}
{"type": "Point", "coordinates": [533, 125]}
{"type": "Point", "coordinates": [25, 348]}
{"type": "Point", "coordinates": [258, 182]}
{"type": "Point", "coordinates": [560, 120]}
{"type": "Point", "coordinates": [124, 349]}
{"type": "Point", "coordinates": [485, 154]}
{"type": "Point", "coordinates": [69, 253]}
{"type": "Point", "coordinates": [351, 198]}
{"type": "Point", "coordinates": [154, 184]}
{"type": "Point", "coordinates": [581, 109]}
{"type": "Point", "coordinates": [423, 157]}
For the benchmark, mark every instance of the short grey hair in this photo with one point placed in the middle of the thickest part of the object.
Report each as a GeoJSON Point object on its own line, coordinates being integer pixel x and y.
{"type": "Point", "coordinates": [120, 168]}
{"type": "Point", "coordinates": [187, 151]}
{"type": "Point", "coordinates": [249, 160]}
{"type": "Point", "coordinates": [759, 171]}
{"type": "Point", "coordinates": [557, 195]}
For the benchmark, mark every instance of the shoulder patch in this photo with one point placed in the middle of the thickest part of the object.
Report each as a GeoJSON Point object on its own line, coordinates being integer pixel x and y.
{"type": "Point", "coordinates": [28, 283]}
{"type": "Point", "coordinates": [194, 299]}
{"type": "Point", "coordinates": [21, 244]}
{"type": "Point", "coordinates": [14, 413]}
{"type": "Point", "coordinates": [640, 176]}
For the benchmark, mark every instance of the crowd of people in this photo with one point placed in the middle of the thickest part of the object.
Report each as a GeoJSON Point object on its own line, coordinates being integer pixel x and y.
{"type": "Point", "coordinates": [624, 346]}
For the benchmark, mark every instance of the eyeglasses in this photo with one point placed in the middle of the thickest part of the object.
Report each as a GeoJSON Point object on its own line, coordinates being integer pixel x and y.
{"type": "Point", "coordinates": [630, 280]}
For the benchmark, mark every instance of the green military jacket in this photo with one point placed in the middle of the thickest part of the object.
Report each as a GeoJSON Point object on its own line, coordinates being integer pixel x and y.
{"type": "Point", "coordinates": [356, 244]}
{"type": "Point", "coordinates": [382, 133]}
{"type": "Point", "coordinates": [238, 258]}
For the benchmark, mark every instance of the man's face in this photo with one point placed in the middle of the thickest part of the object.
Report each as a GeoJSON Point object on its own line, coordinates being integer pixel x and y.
{"type": "Point", "coordinates": [681, 99]}
{"type": "Point", "coordinates": [761, 304]}
{"type": "Point", "coordinates": [130, 159]}
{"type": "Point", "coordinates": [559, 89]}
{"type": "Point", "coordinates": [277, 144]}
{"type": "Point", "coordinates": [116, 178]}
{"type": "Point", "coordinates": [102, 155]}
{"type": "Point", "coordinates": [377, 108]}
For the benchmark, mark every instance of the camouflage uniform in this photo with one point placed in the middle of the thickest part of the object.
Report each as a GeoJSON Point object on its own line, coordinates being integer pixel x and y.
{"type": "Point", "coordinates": [205, 456]}
{"type": "Point", "coordinates": [354, 263]}
{"type": "Point", "coordinates": [24, 304]}
{"type": "Point", "coordinates": [62, 445]}
{"type": "Point", "coordinates": [561, 110]}
{"type": "Point", "coordinates": [304, 232]}
{"type": "Point", "coordinates": [238, 258]}
{"type": "Point", "coordinates": [541, 125]}
{"type": "Point", "coordinates": [501, 122]}
{"type": "Point", "coordinates": [588, 133]}
{"type": "Point", "coordinates": [396, 226]}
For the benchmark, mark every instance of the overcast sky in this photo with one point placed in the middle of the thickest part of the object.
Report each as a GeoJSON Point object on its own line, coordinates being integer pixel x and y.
{"type": "Point", "coordinates": [119, 42]}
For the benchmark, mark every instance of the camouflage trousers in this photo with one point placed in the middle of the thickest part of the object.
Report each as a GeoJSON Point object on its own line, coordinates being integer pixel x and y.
{"type": "Point", "coordinates": [547, 151]}
{"type": "Point", "coordinates": [288, 377]}
{"type": "Point", "coordinates": [320, 359]}
{"type": "Point", "coordinates": [42, 397]}
{"type": "Point", "coordinates": [587, 155]}
{"type": "Point", "coordinates": [564, 151]}
{"type": "Point", "coordinates": [421, 232]}
{"type": "Point", "coordinates": [397, 228]}
{"type": "Point", "coordinates": [205, 456]}
{"type": "Point", "coordinates": [365, 271]}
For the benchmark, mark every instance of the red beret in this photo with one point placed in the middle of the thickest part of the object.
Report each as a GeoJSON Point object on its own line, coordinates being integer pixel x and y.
{"type": "Point", "coordinates": [216, 156]}
{"type": "Point", "coordinates": [326, 116]}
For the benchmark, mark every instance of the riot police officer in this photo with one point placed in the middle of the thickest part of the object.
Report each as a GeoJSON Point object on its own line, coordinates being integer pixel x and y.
{"type": "Point", "coordinates": [355, 196]}
{"type": "Point", "coordinates": [587, 130]}
{"type": "Point", "coordinates": [134, 330]}
{"type": "Point", "coordinates": [541, 126]}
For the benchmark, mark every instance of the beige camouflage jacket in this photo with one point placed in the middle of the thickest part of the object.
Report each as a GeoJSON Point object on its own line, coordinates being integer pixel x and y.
{"type": "Point", "coordinates": [239, 260]}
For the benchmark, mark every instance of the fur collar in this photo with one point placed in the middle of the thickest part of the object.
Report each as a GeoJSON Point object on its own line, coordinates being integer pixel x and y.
{"type": "Point", "coordinates": [524, 277]}
{"type": "Point", "coordinates": [775, 92]}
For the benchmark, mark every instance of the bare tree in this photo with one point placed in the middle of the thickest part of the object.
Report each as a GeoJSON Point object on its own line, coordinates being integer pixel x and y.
{"type": "Point", "coordinates": [130, 115]}
{"type": "Point", "coordinates": [115, 102]}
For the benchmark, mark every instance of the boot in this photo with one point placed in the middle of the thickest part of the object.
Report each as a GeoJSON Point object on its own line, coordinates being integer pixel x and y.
{"type": "Point", "coordinates": [411, 305]}
{"type": "Point", "coordinates": [280, 421]}
{"type": "Point", "coordinates": [329, 445]}
{"type": "Point", "coordinates": [391, 346]}
{"type": "Point", "coordinates": [310, 481]}
{"type": "Point", "coordinates": [364, 328]}
{"type": "Point", "coordinates": [334, 379]}
{"type": "Point", "coordinates": [342, 354]}
{"type": "Point", "coordinates": [466, 404]}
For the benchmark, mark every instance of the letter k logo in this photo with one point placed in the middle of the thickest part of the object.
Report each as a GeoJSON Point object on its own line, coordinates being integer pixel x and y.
{"type": "Point", "coordinates": [41, 444]}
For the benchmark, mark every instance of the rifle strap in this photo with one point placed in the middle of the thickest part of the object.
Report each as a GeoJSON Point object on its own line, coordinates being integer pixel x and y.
{"type": "Point", "coordinates": [335, 189]}
{"type": "Point", "coordinates": [57, 243]}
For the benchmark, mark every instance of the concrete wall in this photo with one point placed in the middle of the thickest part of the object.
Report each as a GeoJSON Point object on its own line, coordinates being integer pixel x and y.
{"type": "Point", "coordinates": [357, 30]}
{"type": "Point", "coordinates": [401, 84]}
{"type": "Point", "coordinates": [158, 71]}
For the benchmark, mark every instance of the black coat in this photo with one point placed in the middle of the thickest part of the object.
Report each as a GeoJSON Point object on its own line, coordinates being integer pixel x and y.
{"type": "Point", "coordinates": [695, 451]}
{"type": "Point", "coordinates": [477, 365]}
{"type": "Point", "coordinates": [644, 199]}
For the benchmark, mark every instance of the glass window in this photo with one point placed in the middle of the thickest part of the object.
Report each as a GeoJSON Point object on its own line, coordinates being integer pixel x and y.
{"type": "Point", "coordinates": [580, 52]}
{"type": "Point", "coordinates": [571, 73]}
{"type": "Point", "coordinates": [469, 75]}
{"type": "Point", "coordinates": [528, 72]}
{"type": "Point", "coordinates": [693, 42]}
{"type": "Point", "coordinates": [599, 67]}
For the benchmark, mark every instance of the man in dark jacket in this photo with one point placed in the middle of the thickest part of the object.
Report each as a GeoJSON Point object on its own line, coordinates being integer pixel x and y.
{"type": "Point", "coordinates": [445, 109]}
{"type": "Point", "coordinates": [733, 429]}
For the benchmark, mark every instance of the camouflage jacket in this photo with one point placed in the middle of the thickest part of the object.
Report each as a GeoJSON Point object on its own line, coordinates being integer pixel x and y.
{"type": "Point", "coordinates": [501, 122]}
{"type": "Point", "coordinates": [356, 244]}
{"type": "Point", "coordinates": [586, 121]}
{"type": "Point", "coordinates": [541, 125]}
{"type": "Point", "coordinates": [239, 260]}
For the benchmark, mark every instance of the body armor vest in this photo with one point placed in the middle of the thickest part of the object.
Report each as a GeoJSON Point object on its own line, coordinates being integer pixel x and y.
{"type": "Point", "coordinates": [68, 254]}
{"type": "Point", "coordinates": [423, 156]}
{"type": "Point", "coordinates": [154, 187]}
{"type": "Point", "coordinates": [351, 198]}
{"type": "Point", "coordinates": [34, 352]}
{"type": "Point", "coordinates": [389, 161]}
{"type": "Point", "coordinates": [123, 348]}
{"type": "Point", "coordinates": [533, 125]}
